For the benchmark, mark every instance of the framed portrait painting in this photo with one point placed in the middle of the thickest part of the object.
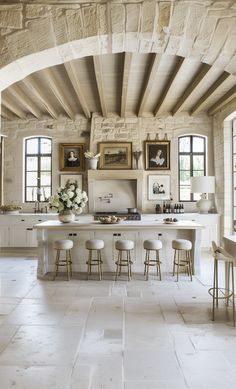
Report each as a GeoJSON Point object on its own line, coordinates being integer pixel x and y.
{"type": "Point", "coordinates": [72, 156]}
{"type": "Point", "coordinates": [115, 155]}
{"type": "Point", "coordinates": [159, 187]}
{"type": "Point", "coordinates": [157, 155]}
{"type": "Point", "coordinates": [71, 177]}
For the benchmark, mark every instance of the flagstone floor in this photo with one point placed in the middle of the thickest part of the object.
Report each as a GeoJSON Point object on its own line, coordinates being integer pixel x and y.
{"type": "Point", "coordinates": [112, 335]}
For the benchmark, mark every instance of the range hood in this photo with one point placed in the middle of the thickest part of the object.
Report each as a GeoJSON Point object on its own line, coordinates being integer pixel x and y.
{"type": "Point", "coordinates": [96, 176]}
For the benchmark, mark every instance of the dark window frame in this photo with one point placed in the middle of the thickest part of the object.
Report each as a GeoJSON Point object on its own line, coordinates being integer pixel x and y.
{"type": "Point", "coordinates": [38, 155]}
{"type": "Point", "coordinates": [191, 153]}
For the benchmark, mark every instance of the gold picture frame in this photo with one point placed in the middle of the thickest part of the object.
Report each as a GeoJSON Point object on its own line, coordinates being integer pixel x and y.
{"type": "Point", "coordinates": [115, 155]}
{"type": "Point", "coordinates": [72, 177]}
{"type": "Point", "coordinates": [71, 157]}
{"type": "Point", "coordinates": [157, 155]}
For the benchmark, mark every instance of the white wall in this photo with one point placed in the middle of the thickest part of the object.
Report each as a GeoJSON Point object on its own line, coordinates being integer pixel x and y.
{"type": "Point", "coordinates": [102, 129]}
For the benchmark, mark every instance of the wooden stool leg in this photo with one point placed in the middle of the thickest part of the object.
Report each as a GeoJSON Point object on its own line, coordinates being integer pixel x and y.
{"type": "Point", "coordinates": [56, 264]}
{"type": "Point", "coordinates": [178, 266]}
{"type": "Point", "coordinates": [158, 261]}
{"type": "Point", "coordinates": [70, 258]}
{"type": "Point", "coordinates": [145, 264]}
{"type": "Point", "coordinates": [99, 264]}
{"type": "Point", "coordinates": [117, 265]}
{"type": "Point", "coordinates": [128, 263]}
{"type": "Point", "coordinates": [174, 263]}
{"type": "Point", "coordinates": [67, 265]}
{"type": "Point", "coordinates": [233, 302]}
{"type": "Point", "coordinates": [89, 260]}
{"type": "Point", "coordinates": [190, 265]}
{"type": "Point", "coordinates": [217, 291]}
{"type": "Point", "coordinates": [148, 264]}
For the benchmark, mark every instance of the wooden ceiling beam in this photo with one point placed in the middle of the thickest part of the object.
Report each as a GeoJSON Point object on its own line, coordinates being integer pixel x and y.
{"type": "Point", "coordinates": [58, 92]}
{"type": "Point", "coordinates": [11, 106]}
{"type": "Point", "coordinates": [169, 84]}
{"type": "Point", "coordinates": [5, 114]}
{"type": "Point", "coordinates": [17, 92]}
{"type": "Point", "coordinates": [126, 72]}
{"type": "Point", "coordinates": [71, 72]}
{"type": "Point", "coordinates": [98, 74]}
{"type": "Point", "coordinates": [230, 95]}
{"type": "Point", "coordinates": [191, 87]}
{"type": "Point", "coordinates": [208, 94]}
{"type": "Point", "coordinates": [32, 85]}
{"type": "Point", "coordinates": [149, 84]}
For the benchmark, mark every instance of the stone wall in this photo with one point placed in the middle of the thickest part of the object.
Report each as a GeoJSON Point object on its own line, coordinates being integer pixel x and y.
{"type": "Point", "coordinates": [114, 128]}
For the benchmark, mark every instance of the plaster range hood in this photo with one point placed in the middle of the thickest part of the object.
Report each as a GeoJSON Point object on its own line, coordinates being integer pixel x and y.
{"type": "Point", "coordinates": [98, 178]}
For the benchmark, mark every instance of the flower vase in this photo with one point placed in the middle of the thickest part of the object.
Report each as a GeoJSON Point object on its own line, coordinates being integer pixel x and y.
{"type": "Point", "coordinates": [66, 216]}
{"type": "Point", "coordinates": [93, 163]}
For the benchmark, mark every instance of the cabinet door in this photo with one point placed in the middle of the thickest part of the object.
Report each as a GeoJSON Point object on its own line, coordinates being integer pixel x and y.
{"type": "Point", "coordinates": [4, 236]}
{"type": "Point", "coordinates": [31, 237]}
{"type": "Point", "coordinates": [18, 236]}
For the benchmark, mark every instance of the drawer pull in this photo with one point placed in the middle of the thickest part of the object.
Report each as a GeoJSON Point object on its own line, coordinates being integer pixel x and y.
{"type": "Point", "coordinates": [74, 234]}
{"type": "Point", "coordinates": [114, 234]}
{"type": "Point", "coordinates": [29, 229]}
{"type": "Point", "coordinates": [22, 220]}
{"type": "Point", "coordinates": [70, 234]}
{"type": "Point", "coordinates": [39, 220]}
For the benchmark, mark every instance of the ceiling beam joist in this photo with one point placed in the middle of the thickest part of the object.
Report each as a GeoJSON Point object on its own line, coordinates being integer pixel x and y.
{"type": "Point", "coordinates": [58, 93]}
{"type": "Point", "coordinates": [33, 87]}
{"type": "Point", "coordinates": [5, 114]}
{"type": "Point", "coordinates": [208, 94]}
{"type": "Point", "coordinates": [98, 74]}
{"type": "Point", "coordinates": [149, 84]}
{"type": "Point", "coordinates": [21, 96]}
{"type": "Point", "coordinates": [168, 84]}
{"type": "Point", "coordinates": [125, 83]}
{"type": "Point", "coordinates": [231, 94]}
{"type": "Point", "coordinates": [191, 87]}
{"type": "Point", "coordinates": [71, 72]}
{"type": "Point", "coordinates": [9, 104]}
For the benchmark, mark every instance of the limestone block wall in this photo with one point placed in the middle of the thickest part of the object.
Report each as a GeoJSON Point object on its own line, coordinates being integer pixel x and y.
{"type": "Point", "coordinates": [135, 130]}
{"type": "Point", "coordinates": [61, 130]}
{"type": "Point", "coordinates": [99, 129]}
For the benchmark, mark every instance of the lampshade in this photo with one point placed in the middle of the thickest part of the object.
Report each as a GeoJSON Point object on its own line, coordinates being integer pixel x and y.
{"type": "Point", "coordinates": [203, 184]}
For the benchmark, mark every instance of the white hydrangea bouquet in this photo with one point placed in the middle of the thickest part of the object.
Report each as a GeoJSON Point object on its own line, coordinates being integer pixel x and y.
{"type": "Point", "coordinates": [91, 154]}
{"type": "Point", "coordinates": [69, 197]}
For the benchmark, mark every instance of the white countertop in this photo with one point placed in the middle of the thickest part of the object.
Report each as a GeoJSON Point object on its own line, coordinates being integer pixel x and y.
{"type": "Point", "coordinates": [131, 225]}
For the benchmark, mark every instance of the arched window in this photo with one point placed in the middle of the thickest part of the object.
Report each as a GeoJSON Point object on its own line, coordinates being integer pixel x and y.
{"type": "Point", "coordinates": [192, 163]}
{"type": "Point", "coordinates": [38, 168]}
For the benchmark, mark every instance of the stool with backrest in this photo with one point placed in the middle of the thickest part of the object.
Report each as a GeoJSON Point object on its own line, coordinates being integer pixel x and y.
{"type": "Point", "coordinates": [66, 246]}
{"type": "Point", "coordinates": [94, 245]}
{"type": "Point", "coordinates": [152, 245]}
{"type": "Point", "coordinates": [124, 246]}
{"type": "Point", "coordinates": [218, 293]}
{"type": "Point", "coordinates": [182, 246]}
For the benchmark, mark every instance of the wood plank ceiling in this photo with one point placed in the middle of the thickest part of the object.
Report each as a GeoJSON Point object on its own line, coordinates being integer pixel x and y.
{"type": "Point", "coordinates": [126, 84]}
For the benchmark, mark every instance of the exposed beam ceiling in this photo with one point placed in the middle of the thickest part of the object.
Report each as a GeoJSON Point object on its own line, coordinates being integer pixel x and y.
{"type": "Point", "coordinates": [125, 84]}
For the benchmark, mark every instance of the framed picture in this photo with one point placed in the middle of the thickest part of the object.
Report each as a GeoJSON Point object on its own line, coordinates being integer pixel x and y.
{"type": "Point", "coordinates": [159, 187]}
{"type": "Point", "coordinates": [72, 177]}
{"type": "Point", "coordinates": [72, 156]}
{"type": "Point", "coordinates": [157, 155]}
{"type": "Point", "coordinates": [115, 155]}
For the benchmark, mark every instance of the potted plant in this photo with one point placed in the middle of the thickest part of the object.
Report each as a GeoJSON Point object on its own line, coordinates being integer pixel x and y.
{"type": "Point", "coordinates": [68, 201]}
{"type": "Point", "coordinates": [92, 158]}
{"type": "Point", "coordinates": [11, 208]}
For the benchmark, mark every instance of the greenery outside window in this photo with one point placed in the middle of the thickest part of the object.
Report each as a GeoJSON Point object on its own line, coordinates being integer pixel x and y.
{"type": "Point", "coordinates": [38, 169]}
{"type": "Point", "coordinates": [192, 163]}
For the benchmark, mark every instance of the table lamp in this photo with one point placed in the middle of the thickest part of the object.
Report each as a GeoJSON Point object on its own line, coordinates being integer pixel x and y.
{"type": "Point", "coordinates": [203, 185]}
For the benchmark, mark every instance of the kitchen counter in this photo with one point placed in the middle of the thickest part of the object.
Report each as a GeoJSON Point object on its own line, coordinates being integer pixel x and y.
{"type": "Point", "coordinates": [85, 228]}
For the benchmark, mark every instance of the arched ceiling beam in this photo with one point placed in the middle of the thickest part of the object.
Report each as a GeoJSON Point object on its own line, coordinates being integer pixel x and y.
{"type": "Point", "coordinates": [11, 106]}
{"type": "Point", "coordinates": [98, 74]}
{"type": "Point", "coordinates": [71, 72]}
{"type": "Point", "coordinates": [125, 82]}
{"type": "Point", "coordinates": [16, 91]}
{"type": "Point", "coordinates": [231, 94]}
{"type": "Point", "coordinates": [191, 87]}
{"type": "Point", "coordinates": [149, 84]}
{"type": "Point", "coordinates": [169, 84]}
{"type": "Point", "coordinates": [5, 114]}
{"type": "Point", "coordinates": [58, 92]}
{"type": "Point", "coordinates": [33, 87]}
{"type": "Point", "coordinates": [208, 94]}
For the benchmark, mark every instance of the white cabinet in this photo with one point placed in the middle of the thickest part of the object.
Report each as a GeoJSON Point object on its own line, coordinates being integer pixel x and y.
{"type": "Point", "coordinates": [4, 236]}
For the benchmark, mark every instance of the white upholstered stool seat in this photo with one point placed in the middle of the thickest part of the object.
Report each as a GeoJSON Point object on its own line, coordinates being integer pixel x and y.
{"type": "Point", "coordinates": [124, 246]}
{"type": "Point", "coordinates": [152, 245]}
{"type": "Point", "coordinates": [63, 244]}
{"type": "Point", "coordinates": [66, 245]}
{"type": "Point", "coordinates": [94, 245]}
{"type": "Point", "coordinates": [182, 245]}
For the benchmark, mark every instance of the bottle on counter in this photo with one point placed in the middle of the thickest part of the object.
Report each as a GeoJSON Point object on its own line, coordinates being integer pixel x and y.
{"type": "Point", "coordinates": [175, 208]}
{"type": "Point", "coordinates": [164, 207]}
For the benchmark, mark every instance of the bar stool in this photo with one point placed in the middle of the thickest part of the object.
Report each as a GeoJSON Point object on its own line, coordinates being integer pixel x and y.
{"type": "Point", "coordinates": [152, 245]}
{"type": "Point", "coordinates": [220, 255]}
{"type": "Point", "coordinates": [63, 245]}
{"type": "Point", "coordinates": [94, 245]}
{"type": "Point", "coordinates": [185, 246]}
{"type": "Point", "coordinates": [127, 246]}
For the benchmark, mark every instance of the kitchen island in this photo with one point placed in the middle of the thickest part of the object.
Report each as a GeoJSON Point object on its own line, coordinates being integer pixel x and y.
{"type": "Point", "coordinates": [85, 228]}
